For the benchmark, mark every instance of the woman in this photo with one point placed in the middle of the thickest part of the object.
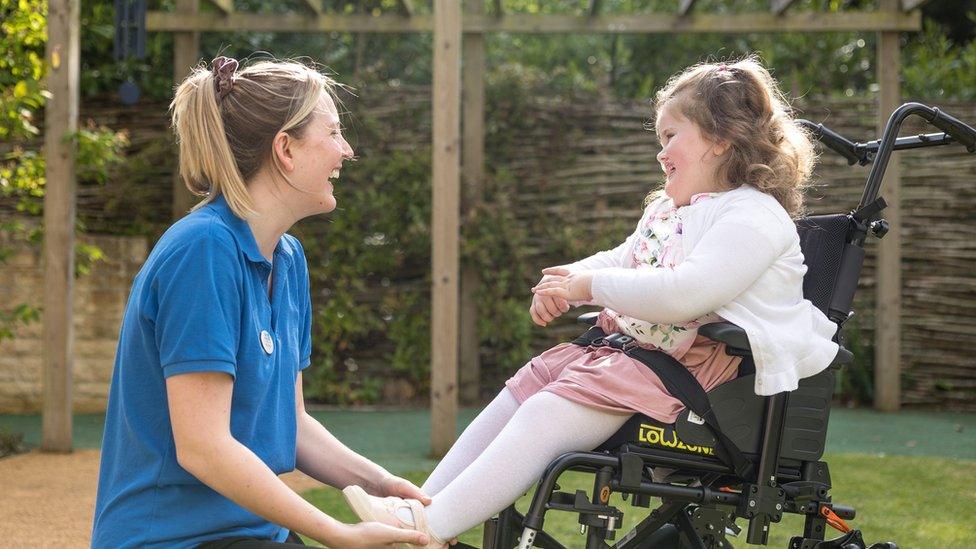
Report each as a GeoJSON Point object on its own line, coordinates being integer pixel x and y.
{"type": "Point", "coordinates": [205, 408]}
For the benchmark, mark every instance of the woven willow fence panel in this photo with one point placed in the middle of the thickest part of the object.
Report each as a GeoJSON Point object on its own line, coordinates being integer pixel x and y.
{"type": "Point", "coordinates": [589, 163]}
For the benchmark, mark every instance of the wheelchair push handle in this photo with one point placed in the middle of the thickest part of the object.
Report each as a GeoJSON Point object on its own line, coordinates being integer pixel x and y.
{"type": "Point", "coordinates": [952, 126]}
{"type": "Point", "coordinates": [835, 141]}
{"type": "Point", "coordinates": [953, 130]}
{"type": "Point", "coordinates": [879, 152]}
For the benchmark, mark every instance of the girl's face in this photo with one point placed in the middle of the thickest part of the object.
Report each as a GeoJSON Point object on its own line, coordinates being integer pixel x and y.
{"type": "Point", "coordinates": [316, 160]}
{"type": "Point", "coordinates": [689, 161]}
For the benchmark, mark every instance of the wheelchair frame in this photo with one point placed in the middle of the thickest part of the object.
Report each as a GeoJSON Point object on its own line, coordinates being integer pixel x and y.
{"type": "Point", "coordinates": [700, 513]}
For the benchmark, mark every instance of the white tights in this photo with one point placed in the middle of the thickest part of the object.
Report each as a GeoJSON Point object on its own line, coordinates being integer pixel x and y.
{"type": "Point", "coordinates": [506, 449]}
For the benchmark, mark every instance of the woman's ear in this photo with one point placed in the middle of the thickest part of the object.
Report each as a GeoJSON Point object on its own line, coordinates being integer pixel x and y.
{"type": "Point", "coordinates": [283, 148]}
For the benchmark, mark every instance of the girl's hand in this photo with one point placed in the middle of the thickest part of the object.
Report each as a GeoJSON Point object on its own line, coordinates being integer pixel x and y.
{"type": "Point", "coordinates": [400, 487]}
{"type": "Point", "coordinates": [545, 309]}
{"type": "Point", "coordinates": [373, 535]}
{"type": "Point", "coordinates": [566, 285]}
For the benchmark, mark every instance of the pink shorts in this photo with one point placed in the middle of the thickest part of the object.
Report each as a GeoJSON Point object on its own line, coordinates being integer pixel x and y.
{"type": "Point", "coordinates": [608, 379]}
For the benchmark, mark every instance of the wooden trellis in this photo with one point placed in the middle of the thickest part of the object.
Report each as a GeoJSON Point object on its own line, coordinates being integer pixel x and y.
{"type": "Point", "coordinates": [456, 34]}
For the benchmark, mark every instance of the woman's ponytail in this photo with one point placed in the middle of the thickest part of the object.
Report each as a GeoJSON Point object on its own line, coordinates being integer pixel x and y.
{"type": "Point", "coordinates": [225, 122]}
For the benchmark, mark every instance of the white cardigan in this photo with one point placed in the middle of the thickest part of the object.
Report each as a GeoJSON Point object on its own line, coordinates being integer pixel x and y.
{"type": "Point", "coordinates": [742, 261]}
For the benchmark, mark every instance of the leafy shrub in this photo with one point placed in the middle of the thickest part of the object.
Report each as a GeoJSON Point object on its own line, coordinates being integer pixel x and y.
{"type": "Point", "coordinates": [11, 443]}
{"type": "Point", "coordinates": [22, 169]}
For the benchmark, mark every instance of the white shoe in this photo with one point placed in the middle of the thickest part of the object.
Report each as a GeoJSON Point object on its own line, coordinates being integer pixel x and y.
{"type": "Point", "coordinates": [384, 510]}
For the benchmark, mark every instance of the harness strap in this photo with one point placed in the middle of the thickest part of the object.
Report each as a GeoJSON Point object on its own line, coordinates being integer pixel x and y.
{"type": "Point", "coordinates": [590, 336]}
{"type": "Point", "coordinates": [679, 381]}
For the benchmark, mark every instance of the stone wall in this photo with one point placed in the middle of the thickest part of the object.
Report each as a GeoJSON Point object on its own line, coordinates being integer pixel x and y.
{"type": "Point", "coordinates": [99, 301]}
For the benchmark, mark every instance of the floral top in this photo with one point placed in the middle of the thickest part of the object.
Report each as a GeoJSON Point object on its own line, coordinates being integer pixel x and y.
{"type": "Point", "coordinates": [659, 247]}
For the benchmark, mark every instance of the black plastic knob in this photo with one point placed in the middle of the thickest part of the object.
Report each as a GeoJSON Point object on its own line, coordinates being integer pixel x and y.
{"type": "Point", "coordinates": [880, 228]}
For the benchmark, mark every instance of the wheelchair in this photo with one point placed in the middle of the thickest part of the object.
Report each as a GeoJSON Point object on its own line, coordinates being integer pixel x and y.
{"type": "Point", "coordinates": [732, 454]}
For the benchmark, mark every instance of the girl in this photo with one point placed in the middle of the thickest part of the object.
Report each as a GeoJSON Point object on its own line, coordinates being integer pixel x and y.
{"type": "Point", "coordinates": [205, 408]}
{"type": "Point", "coordinates": [717, 243]}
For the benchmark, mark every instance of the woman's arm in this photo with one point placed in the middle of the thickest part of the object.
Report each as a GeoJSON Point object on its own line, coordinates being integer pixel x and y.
{"type": "Point", "coordinates": [199, 406]}
{"type": "Point", "coordinates": [325, 458]}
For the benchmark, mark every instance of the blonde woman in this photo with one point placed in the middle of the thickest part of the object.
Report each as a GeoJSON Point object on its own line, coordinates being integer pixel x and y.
{"type": "Point", "coordinates": [205, 409]}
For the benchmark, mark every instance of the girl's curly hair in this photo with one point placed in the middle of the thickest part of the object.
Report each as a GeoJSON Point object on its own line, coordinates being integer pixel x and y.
{"type": "Point", "coordinates": [740, 104]}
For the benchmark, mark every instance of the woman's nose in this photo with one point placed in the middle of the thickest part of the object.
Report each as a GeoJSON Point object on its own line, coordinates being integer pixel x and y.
{"type": "Point", "coordinates": [346, 149]}
{"type": "Point", "coordinates": [661, 156]}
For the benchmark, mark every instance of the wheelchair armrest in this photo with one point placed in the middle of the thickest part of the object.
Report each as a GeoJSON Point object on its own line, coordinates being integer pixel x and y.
{"type": "Point", "coordinates": [843, 358]}
{"type": "Point", "coordinates": [587, 318]}
{"type": "Point", "coordinates": [735, 338]}
{"type": "Point", "coordinates": [727, 333]}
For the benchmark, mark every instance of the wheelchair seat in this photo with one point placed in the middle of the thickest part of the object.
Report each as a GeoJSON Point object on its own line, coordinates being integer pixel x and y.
{"type": "Point", "coordinates": [740, 414]}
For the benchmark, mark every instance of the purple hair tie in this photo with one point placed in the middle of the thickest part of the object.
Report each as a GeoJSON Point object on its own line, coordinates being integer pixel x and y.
{"type": "Point", "coordinates": [223, 71]}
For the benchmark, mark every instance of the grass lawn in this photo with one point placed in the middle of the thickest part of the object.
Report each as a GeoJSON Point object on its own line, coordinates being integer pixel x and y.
{"type": "Point", "coordinates": [917, 502]}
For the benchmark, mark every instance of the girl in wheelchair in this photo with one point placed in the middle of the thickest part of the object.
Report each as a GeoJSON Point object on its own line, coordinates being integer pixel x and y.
{"type": "Point", "coordinates": [718, 242]}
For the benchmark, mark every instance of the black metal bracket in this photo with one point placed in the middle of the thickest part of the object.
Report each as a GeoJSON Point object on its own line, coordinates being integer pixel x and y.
{"type": "Point", "coordinates": [769, 501]}
{"type": "Point", "coordinates": [711, 525]}
{"type": "Point", "coordinates": [806, 491]}
{"type": "Point", "coordinates": [580, 503]}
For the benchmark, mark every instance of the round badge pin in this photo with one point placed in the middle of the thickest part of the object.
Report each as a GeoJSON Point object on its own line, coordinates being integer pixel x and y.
{"type": "Point", "coordinates": [267, 342]}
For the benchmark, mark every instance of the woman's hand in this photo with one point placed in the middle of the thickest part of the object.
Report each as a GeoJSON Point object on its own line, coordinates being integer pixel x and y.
{"type": "Point", "coordinates": [565, 284]}
{"type": "Point", "coordinates": [373, 535]}
{"type": "Point", "coordinates": [545, 309]}
{"type": "Point", "coordinates": [391, 485]}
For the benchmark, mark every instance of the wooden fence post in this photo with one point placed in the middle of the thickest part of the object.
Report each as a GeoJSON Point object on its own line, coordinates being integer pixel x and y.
{"type": "Point", "coordinates": [186, 54]}
{"type": "Point", "coordinates": [445, 225]}
{"type": "Point", "coordinates": [473, 156]}
{"type": "Point", "coordinates": [61, 123]}
{"type": "Point", "coordinates": [887, 337]}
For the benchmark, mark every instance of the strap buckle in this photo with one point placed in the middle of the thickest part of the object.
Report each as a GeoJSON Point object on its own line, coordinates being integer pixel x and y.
{"type": "Point", "coordinates": [620, 341]}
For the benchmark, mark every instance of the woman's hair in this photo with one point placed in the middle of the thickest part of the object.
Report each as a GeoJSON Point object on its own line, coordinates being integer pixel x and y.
{"type": "Point", "coordinates": [226, 120]}
{"type": "Point", "coordinates": [739, 103]}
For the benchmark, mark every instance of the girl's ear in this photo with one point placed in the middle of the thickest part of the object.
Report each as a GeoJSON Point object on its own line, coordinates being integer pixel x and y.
{"type": "Point", "coordinates": [283, 149]}
{"type": "Point", "coordinates": [719, 148]}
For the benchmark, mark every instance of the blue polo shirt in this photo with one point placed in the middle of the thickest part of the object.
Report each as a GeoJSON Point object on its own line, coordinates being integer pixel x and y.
{"type": "Point", "coordinates": [200, 304]}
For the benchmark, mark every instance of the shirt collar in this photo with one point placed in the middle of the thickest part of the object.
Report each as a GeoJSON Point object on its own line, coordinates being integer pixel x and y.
{"type": "Point", "coordinates": [695, 198]}
{"type": "Point", "coordinates": [241, 231]}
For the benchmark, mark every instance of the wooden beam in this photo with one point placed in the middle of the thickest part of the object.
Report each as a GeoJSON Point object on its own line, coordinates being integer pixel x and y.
{"type": "Point", "coordinates": [315, 6]}
{"type": "Point", "coordinates": [186, 54]}
{"type": "Point", "coordinates": [887, 335]}
{"type": "Point", "coordinates": [225, 6]}
{"type": "Point", "coordinates": [685, 7]}
{"type": "Point", "coordinates": [779, 7]}
{"type": "Point", "coordinates": [732, 23]}
{"type": "Point", "coordinates": [445, 225]}
{"type": "Point", "coordinates": [473, 173]}
{"type": "Point", "coordinates": [406, 6]}
{"type": "Point", "coordinates": [238, 21]}
{"type": "Point", "coordinates": [909, 5]}
{"type": "Point", "coordinates": [62, 54]}
{"type": "Point", "coordinates": [595, 7]}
